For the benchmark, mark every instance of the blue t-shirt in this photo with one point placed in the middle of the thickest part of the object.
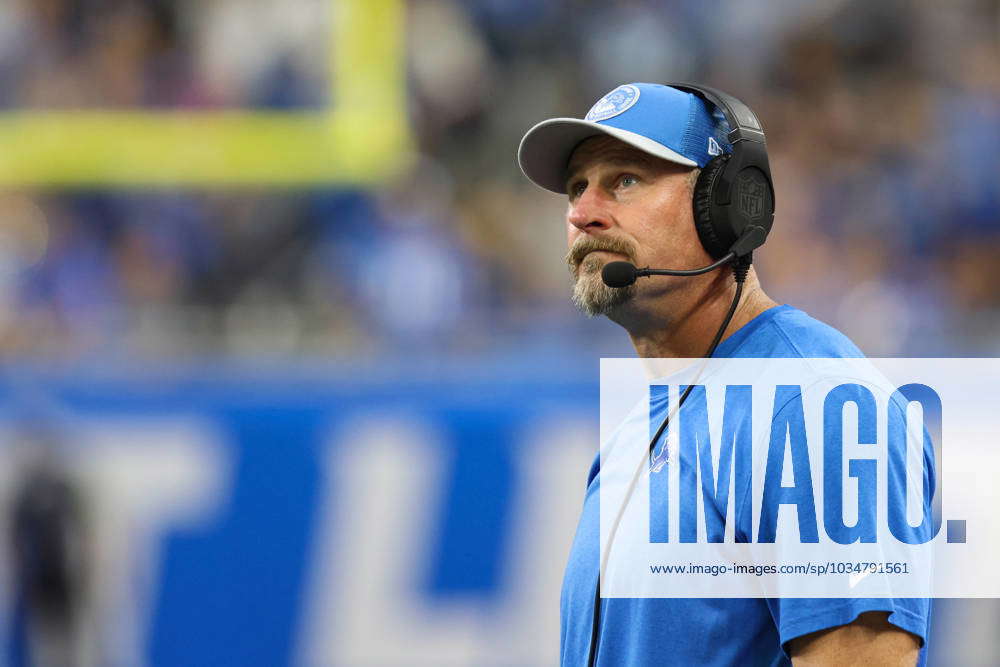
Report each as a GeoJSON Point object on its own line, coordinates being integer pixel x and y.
{"type": "Point", "coordinates": [714, 631]}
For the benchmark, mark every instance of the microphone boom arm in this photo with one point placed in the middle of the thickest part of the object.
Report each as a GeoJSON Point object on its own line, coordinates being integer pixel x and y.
{"type": "Point", "coordinates": [641, 273]}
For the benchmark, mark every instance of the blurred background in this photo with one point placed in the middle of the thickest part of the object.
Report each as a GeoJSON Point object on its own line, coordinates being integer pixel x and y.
{"type": "Point", "coordinates": [291, 375]}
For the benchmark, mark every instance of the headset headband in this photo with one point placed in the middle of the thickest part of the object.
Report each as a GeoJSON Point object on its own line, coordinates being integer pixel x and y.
{"type": "Point", "coordinates": [734, 209]}
{"type": "Point", "coordinates": [742, 121]}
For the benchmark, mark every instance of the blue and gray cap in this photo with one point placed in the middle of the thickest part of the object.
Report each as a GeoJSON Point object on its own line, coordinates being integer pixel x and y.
{"type": "Point", "coordinates": [666, 122]}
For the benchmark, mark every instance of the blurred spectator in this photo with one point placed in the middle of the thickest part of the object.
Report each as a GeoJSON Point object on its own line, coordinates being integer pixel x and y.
{"type": "Point", "coordinates": [47, 536]}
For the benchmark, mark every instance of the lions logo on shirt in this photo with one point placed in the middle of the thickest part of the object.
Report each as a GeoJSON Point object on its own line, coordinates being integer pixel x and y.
{"type": "Point", "coordinates": [617, 101]}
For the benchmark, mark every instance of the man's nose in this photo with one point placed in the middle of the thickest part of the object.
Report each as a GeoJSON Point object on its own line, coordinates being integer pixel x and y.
{"type": "Point", "coordinates": [589, 212]}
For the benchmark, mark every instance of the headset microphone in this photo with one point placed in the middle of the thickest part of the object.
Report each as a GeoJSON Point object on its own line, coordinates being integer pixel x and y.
{"type": "Point", "coordinates": [623, 274]}
{"type": "Point", "coordinates": [619, 274]}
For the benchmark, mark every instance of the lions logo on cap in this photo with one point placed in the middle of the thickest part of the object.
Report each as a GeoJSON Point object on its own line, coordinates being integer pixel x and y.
{"type": "Point", "coordinates": [617, 101]}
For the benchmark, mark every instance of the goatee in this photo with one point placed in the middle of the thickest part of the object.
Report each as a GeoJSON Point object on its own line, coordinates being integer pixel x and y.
{"type": "Point", "coordinates": [590, 294]}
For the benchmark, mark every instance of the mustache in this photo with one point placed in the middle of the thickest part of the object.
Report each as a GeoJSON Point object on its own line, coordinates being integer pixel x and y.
{"type": "Point", "coordinates": [588, 244]}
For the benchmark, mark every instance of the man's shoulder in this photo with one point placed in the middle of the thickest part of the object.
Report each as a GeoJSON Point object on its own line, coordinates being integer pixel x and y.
{"type": "Point", "coordinates": [787, 332]}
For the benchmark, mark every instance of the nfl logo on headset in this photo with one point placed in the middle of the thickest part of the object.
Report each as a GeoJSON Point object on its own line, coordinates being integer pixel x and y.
{"type": "Point", "coordinates": [752, 193]}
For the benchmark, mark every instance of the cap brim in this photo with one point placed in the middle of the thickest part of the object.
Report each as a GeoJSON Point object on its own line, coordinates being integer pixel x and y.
{"type": "Point", "coordinates": [545, 150]}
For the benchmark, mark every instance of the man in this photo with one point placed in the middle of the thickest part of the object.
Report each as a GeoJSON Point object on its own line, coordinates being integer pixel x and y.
{"type": "Point", "coordinates": [629, 170]}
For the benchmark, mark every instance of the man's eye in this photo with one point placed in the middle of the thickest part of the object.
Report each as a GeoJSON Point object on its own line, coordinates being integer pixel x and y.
{"type": "Point", "coordinates": [628, 179]}
{"type": "Point", "coordinates": [576, 189]}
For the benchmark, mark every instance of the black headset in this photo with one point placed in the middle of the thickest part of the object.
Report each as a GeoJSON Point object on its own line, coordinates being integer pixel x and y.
{"type": "Point", "coordinates": [734, 195]}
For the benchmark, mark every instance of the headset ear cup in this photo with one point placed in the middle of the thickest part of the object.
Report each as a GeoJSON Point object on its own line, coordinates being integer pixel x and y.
{"type": "Point", "coordinates": [704, 190]}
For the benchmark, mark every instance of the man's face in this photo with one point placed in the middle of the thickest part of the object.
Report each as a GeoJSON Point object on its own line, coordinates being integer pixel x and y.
{"type": "Point", "coordinates": [625, 204]}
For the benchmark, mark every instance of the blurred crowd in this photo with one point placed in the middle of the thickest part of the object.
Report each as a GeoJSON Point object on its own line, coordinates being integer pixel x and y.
{"type": "Point", "coordinates": [883, 123]}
